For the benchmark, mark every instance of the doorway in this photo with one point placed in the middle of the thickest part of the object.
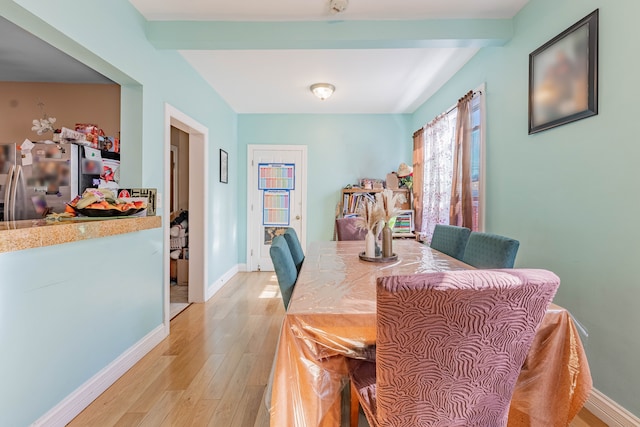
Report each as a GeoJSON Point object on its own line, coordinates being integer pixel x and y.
{"type": "Point", "coordinates": [198, 136]}
{"type": "Point", "coordinates": [178, 201]}
{"type": "Point", "coordinates": [277, 198]}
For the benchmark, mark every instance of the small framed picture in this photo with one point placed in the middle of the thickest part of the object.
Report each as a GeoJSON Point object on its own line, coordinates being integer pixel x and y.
{"type": "Point", "coordinates": [563, 77]}
{"type": "Point", "coordinates": [224, 166]}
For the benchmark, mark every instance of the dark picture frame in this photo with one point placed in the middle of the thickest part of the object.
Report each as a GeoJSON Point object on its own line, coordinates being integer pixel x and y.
{"type": "Point", "coordinates": [563, 77]}
{"type": "Point", "coordinates": [224, 166]}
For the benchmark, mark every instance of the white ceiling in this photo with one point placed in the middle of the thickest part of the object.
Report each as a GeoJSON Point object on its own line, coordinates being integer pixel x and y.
{"type": "Point", "coordinates": [372, 80]}
{"type": "Point", "coordinates": [270, 70]}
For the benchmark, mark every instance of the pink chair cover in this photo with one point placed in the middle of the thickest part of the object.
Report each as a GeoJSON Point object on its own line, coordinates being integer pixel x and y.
{"type": "Point", "coordinates": [450, 346]}
{"type": "Point", "coordinates": [346, 229]}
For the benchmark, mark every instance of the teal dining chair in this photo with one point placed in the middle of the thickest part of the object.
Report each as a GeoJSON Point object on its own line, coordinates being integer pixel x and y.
{"type": "Point", "coordinates": [295, 247]}
{"type": "Point", "coordinates": [450, 240]}
{"type": "Point", "coordinates": [486, 250]}
{"type": "Point", "coordinates": [284, 266]}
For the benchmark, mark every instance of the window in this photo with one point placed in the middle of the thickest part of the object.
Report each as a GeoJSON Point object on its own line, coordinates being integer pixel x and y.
{"type": "Point", "coordinates": [477, 162]}
{"type": "Point", "coordinates": [439, 138]}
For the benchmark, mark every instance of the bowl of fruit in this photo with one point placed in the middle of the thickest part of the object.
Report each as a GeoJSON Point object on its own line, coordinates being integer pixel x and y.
{"type": "Point", "coordinates": [102, 202]}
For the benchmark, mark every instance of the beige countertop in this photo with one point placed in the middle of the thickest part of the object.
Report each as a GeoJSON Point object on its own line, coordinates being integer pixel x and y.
{"type": "Point", "coordinates": [20, 235]}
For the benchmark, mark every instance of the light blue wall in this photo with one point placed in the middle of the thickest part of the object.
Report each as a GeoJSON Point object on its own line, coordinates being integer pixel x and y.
{"type": "Point", "coordinates": [341, 150]}
{"type": "Point", "coordinates": [569, 194]}
{"type": "Point", "coordinates": [69, 310]}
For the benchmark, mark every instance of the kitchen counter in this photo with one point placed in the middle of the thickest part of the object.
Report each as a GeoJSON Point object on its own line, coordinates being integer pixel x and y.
{"type": "Point", "coordinates": [20, 235]}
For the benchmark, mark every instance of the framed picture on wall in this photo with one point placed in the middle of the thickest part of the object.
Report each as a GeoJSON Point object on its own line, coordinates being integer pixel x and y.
{"type": "Point", "coordinates": [224, 166]}
{"type": "Point", "coordinates": [563, 77]}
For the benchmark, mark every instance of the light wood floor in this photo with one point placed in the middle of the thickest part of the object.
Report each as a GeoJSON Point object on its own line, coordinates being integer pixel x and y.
{"type": "Point", "coordinates": [178, 299]}
{"type": "Point", "coordinates": [213, 368]}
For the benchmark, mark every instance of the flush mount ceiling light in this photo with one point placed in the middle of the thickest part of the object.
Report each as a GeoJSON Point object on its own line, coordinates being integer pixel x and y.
{"type": "Point", "coordinates": [322, 90]}
{"type": "Point", "coordinates": [337, 6]}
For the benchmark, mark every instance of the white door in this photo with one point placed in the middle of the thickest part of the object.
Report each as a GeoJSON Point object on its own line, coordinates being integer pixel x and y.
{"type": "Point", "coordinates": [276, 180]}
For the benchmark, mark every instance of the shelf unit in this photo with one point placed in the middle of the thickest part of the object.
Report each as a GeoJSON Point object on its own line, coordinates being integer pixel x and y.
{"type": "Point", "coordinates": [404, 225]}
{"type": "Point", "coordinates": [350, 198]}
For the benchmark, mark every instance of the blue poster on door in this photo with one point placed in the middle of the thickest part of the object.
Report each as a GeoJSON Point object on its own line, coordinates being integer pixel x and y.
{"type": "Point", "coordinates": [276, 176]}
{"type": "Point", "coordinates": [275, 207]}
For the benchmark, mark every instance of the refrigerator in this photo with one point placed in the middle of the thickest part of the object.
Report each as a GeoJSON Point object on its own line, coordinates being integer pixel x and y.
{"type": "Point", "coordinates": [42, 180]}
{"type": "Point", "coordinates": [36, 182]}
{"type": "Point", "coordinates": [96, 168]}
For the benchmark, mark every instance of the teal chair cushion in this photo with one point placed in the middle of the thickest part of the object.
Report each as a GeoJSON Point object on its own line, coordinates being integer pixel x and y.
{"type": "Point", "coordinates": [294, 246]}
{"type": "Point", "coordinates": [485, 250]}
{"type": "Point", "coordinates": [284, 266]}
{"type": "Point", "coordinates": [450, 240]}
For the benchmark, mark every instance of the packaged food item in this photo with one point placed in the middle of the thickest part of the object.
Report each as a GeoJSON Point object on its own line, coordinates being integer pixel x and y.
{"type": "Point", "coordinates": [110, 144]}
{"type": "Point", "coordinates": [91, 132]}
{"type": "Point", "coordinates": [68, 135]}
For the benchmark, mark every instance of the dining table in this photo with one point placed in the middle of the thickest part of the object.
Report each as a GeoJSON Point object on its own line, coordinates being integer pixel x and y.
{"type": "Point", "coordinates": [332, 317]}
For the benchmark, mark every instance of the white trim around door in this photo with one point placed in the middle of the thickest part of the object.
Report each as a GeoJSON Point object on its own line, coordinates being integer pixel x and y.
{"type": "Point", "coordinates": [198, 203]}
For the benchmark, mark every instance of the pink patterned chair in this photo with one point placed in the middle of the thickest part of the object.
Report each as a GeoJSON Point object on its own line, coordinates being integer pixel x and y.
{"type": "Point", "coordinates": [346, 229]}
{"type": "Point", "coordinates": [450, 346]}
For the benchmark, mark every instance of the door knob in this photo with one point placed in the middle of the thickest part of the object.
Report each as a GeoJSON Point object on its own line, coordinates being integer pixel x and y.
{"type": "Point", "coordinates": [297, 216]}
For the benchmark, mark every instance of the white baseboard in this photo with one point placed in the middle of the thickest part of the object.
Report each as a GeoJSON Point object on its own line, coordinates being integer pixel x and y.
{"type": "Point", "coordinates": [609, 411]}
{"type": "Point", "coordinates": [76, 402]}
{"type": "Point", "coordinates": [222, 280]}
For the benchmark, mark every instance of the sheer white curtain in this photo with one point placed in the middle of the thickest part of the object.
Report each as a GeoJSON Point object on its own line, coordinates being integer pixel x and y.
{"type": "Point", "coordinates": [438, 173]}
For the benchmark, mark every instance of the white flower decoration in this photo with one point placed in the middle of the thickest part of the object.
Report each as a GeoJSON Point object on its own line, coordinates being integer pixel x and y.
{"type": "Point", "coordinates": [43, 125]}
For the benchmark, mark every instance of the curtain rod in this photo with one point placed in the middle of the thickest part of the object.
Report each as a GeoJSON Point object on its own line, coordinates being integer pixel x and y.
{"type": "Point", "coordinates": [473, 95]}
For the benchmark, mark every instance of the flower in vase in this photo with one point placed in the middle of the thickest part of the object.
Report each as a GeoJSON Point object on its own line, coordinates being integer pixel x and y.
{"type": "Point", "coordinates": [388, 202]}
{"type": "Point", "coordinates": [370, 217]}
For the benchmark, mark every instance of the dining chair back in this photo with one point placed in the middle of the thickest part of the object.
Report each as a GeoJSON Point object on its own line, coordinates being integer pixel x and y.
{"type": "Point", "coordinates": [346, 229]}
{"type": "Point", "coordinates": [450, 240]}
{"type": "Point", "coordinates": [450, 346]}
{"type": "Point", "coordinates": [284, 266]}
{"type": "Point", "coordinates": [486, 250]}
{"type": "Point", "coordinates": [294, 247]}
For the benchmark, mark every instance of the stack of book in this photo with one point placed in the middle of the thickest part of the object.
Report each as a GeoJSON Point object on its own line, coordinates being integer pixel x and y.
{"type": "Point", "coordinates": [352, 202]}
{"type": "Point", "coordinates": [403, 224]}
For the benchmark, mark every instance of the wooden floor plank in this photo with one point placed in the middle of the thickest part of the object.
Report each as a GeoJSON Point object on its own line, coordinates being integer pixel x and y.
{"type": "Point", "coordinates": [185, 412]}
{"type": "Point", "coordinates": [262, 416]}
{"type": "Point", "coordinates": [130, 419]}
{"type": "Point", "coordinates": [248, 408]}
{"type": "Point", "coordinates": [117, 400]}
{"type": "Point", "coordinates": [204, 411]}
{"type": "Point", "coordinates": [235, 394]}
{"type": "Point", "coordinates": [161, 409]}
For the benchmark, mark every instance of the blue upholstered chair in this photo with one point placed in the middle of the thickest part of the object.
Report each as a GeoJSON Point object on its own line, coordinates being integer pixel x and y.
{"type": "Point", "coordinates": [485, 250]}
{"type": "Point", "coordinates": [450, 240]}
{"type": "Point", "coordinates": [284, 266]}
{"type": "Point", "coordinates": [294, 247]}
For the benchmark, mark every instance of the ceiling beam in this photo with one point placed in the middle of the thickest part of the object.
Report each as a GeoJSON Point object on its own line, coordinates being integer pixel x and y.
{"type": "Point", "coordinates": [225, 35]}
